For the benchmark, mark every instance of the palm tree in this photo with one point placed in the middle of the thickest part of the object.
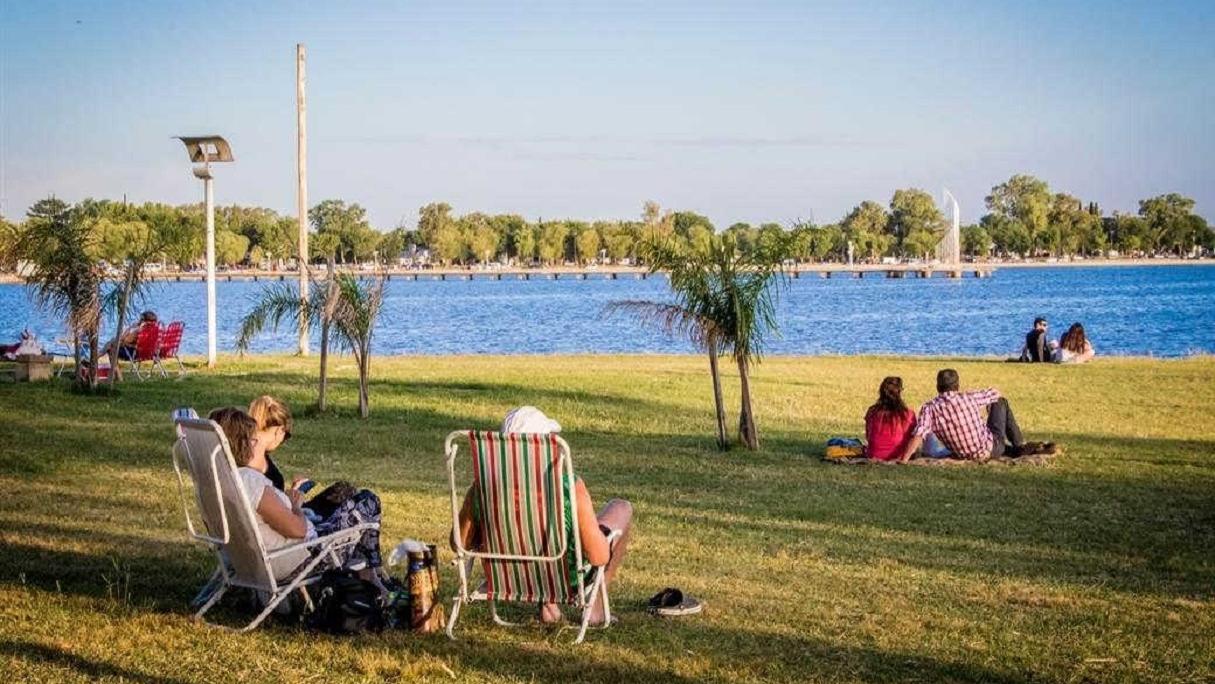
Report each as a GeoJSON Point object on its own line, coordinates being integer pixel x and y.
{"type": "Point", "coordinates": [148, 241]}
{"type": "Point", "coordinates": [691, 316]}
{"type": "Point", "coordinates": [724, 302]}
{"type": "Point", "coordinates": [345, 308]}
{"type": "Point", "coordinates": [356, 308]}
{"type": "Point", "coordinates": [281, 301]}
{"type": "Point", "coordinates": [65, 280]}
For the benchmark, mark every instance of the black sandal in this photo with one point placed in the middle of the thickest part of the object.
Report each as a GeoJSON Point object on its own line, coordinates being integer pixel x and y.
{"type": "Point", "coordinates": [671, 602]}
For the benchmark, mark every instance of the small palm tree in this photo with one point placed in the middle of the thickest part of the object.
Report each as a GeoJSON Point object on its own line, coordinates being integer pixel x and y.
{"type": "Point", "coordinates": [725, 302]}
{"type": "Point", "coordinates": [691, 316]}
{"type": "Point", "coordinates": [281, 301]}
{"type": "Point", "coordinates": [344, 307]}
{"type": "Point", "coordinates": [148, 243]}
{"type": "Point", "coordinates": [65, 279]}
{"type": "Point", "coordinates": [356, 308]}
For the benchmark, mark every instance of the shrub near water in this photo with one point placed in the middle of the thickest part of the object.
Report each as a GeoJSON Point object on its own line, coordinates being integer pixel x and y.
{"type": "Point", "coordinates": [1096, 569]}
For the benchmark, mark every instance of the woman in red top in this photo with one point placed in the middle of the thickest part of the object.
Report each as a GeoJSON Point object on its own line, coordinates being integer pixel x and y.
{"type": "Point", "coordinates": [888, 423]}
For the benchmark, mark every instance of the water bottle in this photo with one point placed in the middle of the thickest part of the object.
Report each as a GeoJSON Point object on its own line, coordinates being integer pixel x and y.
{"type": "Point", "coordinates": [420, 595]}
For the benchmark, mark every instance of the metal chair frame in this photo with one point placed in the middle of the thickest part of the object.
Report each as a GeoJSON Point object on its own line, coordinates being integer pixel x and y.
{"type": "Point", "coordinates": [586, 595]}
{"type": "Point", "coordinates": [225, 576]}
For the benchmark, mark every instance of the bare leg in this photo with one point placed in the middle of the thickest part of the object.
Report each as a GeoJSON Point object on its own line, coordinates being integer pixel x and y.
{"type": "Point", "coordinates": [550, 613]}
{"type": "Point", "coordinates": [617, 514]}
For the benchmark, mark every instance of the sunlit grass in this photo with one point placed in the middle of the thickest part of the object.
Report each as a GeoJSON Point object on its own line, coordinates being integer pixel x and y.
{"type": "Point", "coordinates": [1098, 568]}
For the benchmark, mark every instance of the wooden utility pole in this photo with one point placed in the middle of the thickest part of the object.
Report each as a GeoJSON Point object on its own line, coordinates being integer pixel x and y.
{"type": "Point", "coordinates": [301, 162]}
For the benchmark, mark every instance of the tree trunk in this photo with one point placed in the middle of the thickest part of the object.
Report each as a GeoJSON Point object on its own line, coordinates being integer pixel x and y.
{"type": "Point", "coordinates": [324, 380]}
{"type": "Point", "coordinates": [364, 371]}
{"type": "Point", "coordinates": [748, 434]}
{"type": "Point", "coordinates": [718, 402]}
{"type": "Point", "coordinates": [326, 315]}
{"type": "Point", "coordinates": [115, 371]}
{"type": "Point", "coordinates": [93, 361]}
{"type": "Point", "coordinates": [77, 356]}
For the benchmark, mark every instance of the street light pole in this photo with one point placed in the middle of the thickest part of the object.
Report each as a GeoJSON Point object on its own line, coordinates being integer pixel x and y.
{"type": "Point", "coordinates": [203, 150]}
{"type": "Point", "coordinates": [301, 170]}
{"type": "Point", "coordinates": [209, 196]}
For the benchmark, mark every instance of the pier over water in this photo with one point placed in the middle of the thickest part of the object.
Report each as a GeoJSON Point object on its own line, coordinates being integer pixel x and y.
{"type": "Point", "coordinates": [605, 273]}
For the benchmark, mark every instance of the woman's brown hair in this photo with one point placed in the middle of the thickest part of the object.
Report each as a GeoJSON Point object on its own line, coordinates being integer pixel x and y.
{"type": "Point", "coordinates": [890, 398]}
{"type": "Point", "coordinates": [1074, 340]}
{"type": "Point", "coordinates": [239, 428]}
{"type": "Point", "coordinates": [270, 412]}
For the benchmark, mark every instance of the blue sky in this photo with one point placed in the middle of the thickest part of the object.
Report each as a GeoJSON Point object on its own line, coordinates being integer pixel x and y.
{"type": "Point", "coordinates": [748, 111]}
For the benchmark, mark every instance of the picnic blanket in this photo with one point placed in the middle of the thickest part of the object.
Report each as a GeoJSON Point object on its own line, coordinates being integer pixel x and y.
{"type": "Point", "coordinates": [1034, 460]}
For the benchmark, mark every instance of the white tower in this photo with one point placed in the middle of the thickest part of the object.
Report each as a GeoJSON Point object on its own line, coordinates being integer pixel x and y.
{"type": "Point", "coordinates": [949, 250]}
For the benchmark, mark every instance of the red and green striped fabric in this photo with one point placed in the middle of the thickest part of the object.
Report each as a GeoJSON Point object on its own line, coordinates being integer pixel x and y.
{"type": "Point", "coordinates": [522, 502]}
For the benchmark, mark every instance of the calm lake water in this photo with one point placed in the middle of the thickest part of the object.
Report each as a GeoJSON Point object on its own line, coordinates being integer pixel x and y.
{"type": "Point", "coordinates": [1153, 310]}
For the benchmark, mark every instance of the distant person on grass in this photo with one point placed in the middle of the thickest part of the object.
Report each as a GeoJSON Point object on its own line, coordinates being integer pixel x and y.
{"type": "Point", "coordinates": [124, 345]}
{"type": "Point", "coordinates": [616, 515]}
{"type": "Point", "coordinates": [956, 418]}
{"type": "Point", "coordinates": [1074, 346]}
{"type": "Point", "coordinates": [282, 517]}
{"type": "Point", "coordinates": [889, 424]}
{"type": "Point", "coordinates": [1037, 345]}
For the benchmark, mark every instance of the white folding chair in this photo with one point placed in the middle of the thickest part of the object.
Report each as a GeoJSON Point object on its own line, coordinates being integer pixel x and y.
{"type": "Point", "coordinates": [230, 526]}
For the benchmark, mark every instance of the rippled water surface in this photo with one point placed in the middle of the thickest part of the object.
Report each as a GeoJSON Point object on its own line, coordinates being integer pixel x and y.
{"type": "Point", "coordinates": [1157, 310]}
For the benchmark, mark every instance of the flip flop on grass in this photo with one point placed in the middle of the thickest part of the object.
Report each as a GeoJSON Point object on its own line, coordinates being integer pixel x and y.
{"type": "Point", "coordinates": [671, 602]}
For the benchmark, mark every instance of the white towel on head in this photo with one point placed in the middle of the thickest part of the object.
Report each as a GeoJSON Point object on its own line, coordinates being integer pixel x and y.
{"type": "Point", "coordinates": [529, 419]}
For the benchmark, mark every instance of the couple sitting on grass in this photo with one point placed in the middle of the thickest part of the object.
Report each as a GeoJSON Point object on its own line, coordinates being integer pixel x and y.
{"type": "Point", "coordinates": [955, 418]}
{"type": "Point", "coordinates": [284, 517]}
{"type": "Point", "coordinates": [1073, 347]}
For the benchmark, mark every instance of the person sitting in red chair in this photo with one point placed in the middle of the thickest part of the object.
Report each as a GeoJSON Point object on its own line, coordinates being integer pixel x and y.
{"type": "Point", "coordinates": [124, 344]}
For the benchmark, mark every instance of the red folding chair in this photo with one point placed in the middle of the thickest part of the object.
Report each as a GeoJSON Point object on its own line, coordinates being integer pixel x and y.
{"type": "Point", "coordinates": [170, 342]}
{"type": "Point", "coordinates": [147, 346]}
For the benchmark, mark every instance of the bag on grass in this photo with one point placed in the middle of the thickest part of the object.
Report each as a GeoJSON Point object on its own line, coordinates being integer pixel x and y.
{"type": "Point", "coordinates": [844, 447]}
{"type": "Point", "coordinates": [346, 604]}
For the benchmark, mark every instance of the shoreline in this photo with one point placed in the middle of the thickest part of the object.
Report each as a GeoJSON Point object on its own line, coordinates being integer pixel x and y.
{"type": "Point", "coordinates": [1100, 262]}
{"type": "Point", "coordinates": [582, 272]}
{"type": "Point", "coordinates": [286, 355]}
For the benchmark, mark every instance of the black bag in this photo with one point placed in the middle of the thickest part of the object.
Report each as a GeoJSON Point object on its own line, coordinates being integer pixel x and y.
{"type": "Point", "coordinates": [345, 604]}
{"type": "Point", "coordinates": [328, 500]}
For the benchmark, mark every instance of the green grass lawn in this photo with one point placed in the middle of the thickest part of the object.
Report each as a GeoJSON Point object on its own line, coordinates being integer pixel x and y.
{"type": "Point", "coordinates": [1100, 567]}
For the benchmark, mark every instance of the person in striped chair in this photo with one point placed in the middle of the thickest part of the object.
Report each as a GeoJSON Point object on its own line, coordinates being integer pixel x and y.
{"type": "Point", "coordinates": [593, 529]}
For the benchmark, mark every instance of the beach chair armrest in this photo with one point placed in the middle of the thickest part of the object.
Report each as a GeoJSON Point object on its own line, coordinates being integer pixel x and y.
{"type": "Point", "coordinates": [348, 535]}
{"type": "Point", "coordinates": [613, 536]}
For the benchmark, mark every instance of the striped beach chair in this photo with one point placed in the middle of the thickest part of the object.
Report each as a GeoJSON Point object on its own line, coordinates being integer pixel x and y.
{"type": "Point", "coordinates": [524, 507]}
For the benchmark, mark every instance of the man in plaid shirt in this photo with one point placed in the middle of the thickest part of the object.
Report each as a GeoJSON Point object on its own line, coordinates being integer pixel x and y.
{"type": "Point", "coordinates": [956, 418]}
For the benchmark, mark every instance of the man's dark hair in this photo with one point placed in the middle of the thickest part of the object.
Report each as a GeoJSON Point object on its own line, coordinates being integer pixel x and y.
{"type": "Point", "coordinates": [1038, 320]}
{"type": "Point", "coordinates": [947, 380]}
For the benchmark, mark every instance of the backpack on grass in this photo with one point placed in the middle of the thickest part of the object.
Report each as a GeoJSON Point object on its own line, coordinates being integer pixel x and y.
{"type": "Point", "coordinates": [346, 604]}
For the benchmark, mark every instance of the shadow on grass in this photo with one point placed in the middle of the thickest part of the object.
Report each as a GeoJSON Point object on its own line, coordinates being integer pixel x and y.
{"type": "Point", "coordinates": [41, 654]}
{"type": "Point", "coordinates": [660, 647]}
{"type": "Point", "coordinates": [145, 572]}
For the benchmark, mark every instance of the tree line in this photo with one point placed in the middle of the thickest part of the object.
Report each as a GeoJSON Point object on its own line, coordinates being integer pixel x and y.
{"type": "Point", "coordinates": [1024, 218]}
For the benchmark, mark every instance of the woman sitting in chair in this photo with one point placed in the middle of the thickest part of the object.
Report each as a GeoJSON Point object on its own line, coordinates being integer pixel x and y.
{"type": "Point", "coordinates": [281, 515]}
{"type": "Point", "coordinates": [273, 430]}
{"type": "Point", "coordinates": [616, 516]}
